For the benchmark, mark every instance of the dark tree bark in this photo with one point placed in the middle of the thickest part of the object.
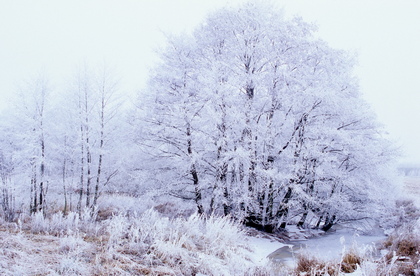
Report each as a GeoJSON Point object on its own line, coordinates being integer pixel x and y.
{"type": "Point", "coordinates": [194, 174]}
{"type": "Point", "coordinates": [329, 222]}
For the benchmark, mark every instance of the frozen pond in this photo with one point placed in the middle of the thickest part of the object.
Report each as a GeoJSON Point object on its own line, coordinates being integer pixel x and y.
{"type": "Point", "coordinates": [328, 247]}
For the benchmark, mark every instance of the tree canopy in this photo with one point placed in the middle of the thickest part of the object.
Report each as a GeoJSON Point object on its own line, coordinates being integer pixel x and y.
{"type": "Point", "coordinates": [255, 117]}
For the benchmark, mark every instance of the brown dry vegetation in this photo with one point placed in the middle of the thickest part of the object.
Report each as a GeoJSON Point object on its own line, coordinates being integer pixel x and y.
{"type": "Point", "coordinates": [350, 261]}
{"type": "Point", "coordinates": [403, 257]}
{"type": "Point", "coordinates": [115, 245]}
{"type": "Point", "coordinates": [146, 245]}
{"type": "Point", "coordinates": [315, 267]}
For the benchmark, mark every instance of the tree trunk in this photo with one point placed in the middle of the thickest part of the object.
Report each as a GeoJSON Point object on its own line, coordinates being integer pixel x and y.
{"type": "Point", "coordinates": [269, 203]}
{"type": "Point", "coordinates": [329, 222]}
{"type": "Point", "coordinates": [304, 216]}
{"type": "Point", "coordinates": [64, 179]}
{"type": "Point", "coordinates": [82, 169]}
{"type": "Point", "coordinates": [194, 174]}
{"type": "Point", "coordinates": [42, 199]}
{"type": "Point", "coordinates": [283, 207]}
{"type": "Point", "coordinates": [34, 189]}
{"type": "Point", "coordinates": [226, 206]}
{"type": "Point", "coordinates": [101, 145]}
{"type": "Point", "coordinates": [88, 152]}
{"type": "Point", "coordinates": [98, 179]}
{"type": "Point", "coordinates": [197, 190]}
{"type": "Point", "coordinates": [88, 169]}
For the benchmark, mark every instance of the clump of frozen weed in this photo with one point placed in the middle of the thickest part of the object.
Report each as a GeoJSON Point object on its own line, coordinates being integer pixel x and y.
{"type": "Point", "coordinates": [76, 255]}
{"type": "Point", "coordinates": [350, 262]}
{"type": "Point", "coordinates": [71, 243]}
{"type": "Point", "coordinates": [38, 223]}
{"type": "Point", "coordinates": [270, 269]}
{"type": "Point", "coordinates": [307, 265]}
{"type": "Point", "coordinates": [117, 229]}
{"type": "Point", "coordinates": [186, 246]}
{"type": "Point", "coordinates": [71, 265]}
{"type": "Point", "coordinates": [403, 255]}
{"type": "Point", "coordinates": [59, 223]}
{"type": "Point", "coordinates": [403, 251]}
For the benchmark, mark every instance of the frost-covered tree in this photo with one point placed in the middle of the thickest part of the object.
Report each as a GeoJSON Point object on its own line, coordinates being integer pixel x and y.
{"type": "Point", "coordinates": [25, 135]}
{"type": "Point", "coordinates": [253, 116]}
{"type": "Point", "coordinates": [90, 133]}
{"type": "Point", "coordinates": [7, 171]}
{"type": "Point", "coordinates": [67, 144]}
{"type": "Point", "coordinates": [175, 133]}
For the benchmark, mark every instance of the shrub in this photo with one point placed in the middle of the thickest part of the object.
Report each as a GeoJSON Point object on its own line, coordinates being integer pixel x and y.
{"type": "Point", "coordinates": [350, 261]}
{"type": "Point", "coordinates": [61, 224]}
{"type": "Point", "coordinates": [315, 267]}
{"type": "Point", "coordinates": [403, 257]}
{"type": "Point", "coordinates": [187, 246]}
{"type": "Point", "coordinates": [72, 266]}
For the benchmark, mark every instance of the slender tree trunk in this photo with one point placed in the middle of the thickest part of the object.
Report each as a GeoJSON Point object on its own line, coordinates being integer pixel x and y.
{"type": "Point", "coordinates": [194, 174]}
{"type": "Point", "coordinates": [64, 187]}
{"type": "Point", "coordinates": [269, 201]}
{"type": "Point", "coordinates": [101, 145]}
{"type": "Point", "coordinates": [88, 176]}
{"type": "Point", "coordinates": [283, 210]}
{"type": "Point", "coordinates": [82, 169]}
{"type": "Point", "coordinates": [98, 179]}
{"type": "Point", "coordinates": [197, 190]}
{"type": "Point", "coordinates": [304, 216]}
{"type": "Point", "coordinates": [226, 206]}
{"type": "Point", "coordinates": [319, 222]}
{"type": "Point", "coordinates": [88, 166]}
{"type": "Point", "coordinates": [310, 172]}
{"type": "Point", "coordinates": [64, 168]}
{"type": "Point", "coordinates": [42, 177]}
{"type": "Point", "coordinates": [329, 222]}
{"type": "Point", "coordinates": [34, 190]}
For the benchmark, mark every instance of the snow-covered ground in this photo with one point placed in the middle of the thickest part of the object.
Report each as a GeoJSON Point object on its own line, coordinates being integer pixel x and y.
{"type": "Point", "coordinates": [60, 246]}
{"type": "Point", "coordinates": [412, 186]}
{"type": "Point", "coordinates": [262, 247]}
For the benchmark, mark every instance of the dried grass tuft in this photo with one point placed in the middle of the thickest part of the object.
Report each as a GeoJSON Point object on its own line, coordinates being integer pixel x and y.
{"type": "Point", "coordinates": [312, 266]}
{"type": "Point", "coordinates": [351, 260]}
{"type": "Point", "coordinates": [403, 257]}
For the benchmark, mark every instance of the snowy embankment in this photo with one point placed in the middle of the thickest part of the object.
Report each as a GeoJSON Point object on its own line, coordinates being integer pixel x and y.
{"type": "Point", "coordinates": [262, 247]}
{"type": "Point", "coordinates": [152, 244]}
{"type": "Point", "coordinates": [147, 244]}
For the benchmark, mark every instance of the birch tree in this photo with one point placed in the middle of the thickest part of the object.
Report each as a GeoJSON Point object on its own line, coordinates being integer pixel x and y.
{"type": "Point", "coordinates": [29, 132]}
{"type": "Point", "coordinates": [96, 99]}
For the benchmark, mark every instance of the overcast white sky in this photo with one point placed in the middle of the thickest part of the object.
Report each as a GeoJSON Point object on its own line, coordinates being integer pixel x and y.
{"type": "Point", "coordinates": [54, 37]}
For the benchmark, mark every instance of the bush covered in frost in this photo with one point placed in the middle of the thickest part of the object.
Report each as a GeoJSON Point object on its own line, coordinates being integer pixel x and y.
{"type": "Point", "coordinates": [188, 246]}
{"type": "Point", "coordinates": [59, 224]}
